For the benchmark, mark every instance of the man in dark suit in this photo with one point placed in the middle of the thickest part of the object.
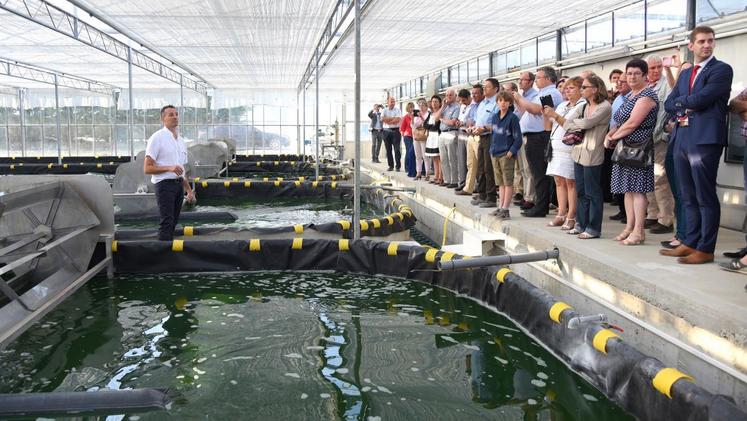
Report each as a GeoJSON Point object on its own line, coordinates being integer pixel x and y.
{"type": "Point", "coordinates": [699, 104]}
{"type": "Point", "coordinates": [377, 134]}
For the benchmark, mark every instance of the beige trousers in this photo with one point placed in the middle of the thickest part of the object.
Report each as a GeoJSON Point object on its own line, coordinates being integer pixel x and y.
{"type": "Point", "coordinates": [473, 142]}
{"type": "Point", "coordinates": [661, 201]}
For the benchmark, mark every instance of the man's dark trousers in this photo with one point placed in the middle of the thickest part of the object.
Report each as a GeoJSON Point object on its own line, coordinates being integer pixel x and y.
{"type": "Point", "coordinates": [697, 167]}
{"type": "Point", "coordinates": [169, 195]}
{"type": "Point", "coordinates": [392, 140]}
{"type": "Point", "coordinates": [486, 183]}
{"type": "Point", "coordinates": [535, 153]}
{"type": "Point", "coordinates": [376, 136]}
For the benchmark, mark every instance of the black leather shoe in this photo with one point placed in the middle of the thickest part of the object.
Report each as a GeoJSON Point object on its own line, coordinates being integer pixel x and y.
{"type": "Point", "coordinates": [390, 169]}
{"type": "Point", "coordinates": [648, 223]}
{"type": "Point", "coordinates": [618, 216]}
{"type": "Point", "coordinates": [518, 197]}
{"type": "Point", "coordinates": [452, 185]}
{"type": "Point", "coordinates": [526, 205]}
{"type": "Point", "coordinates": [533, 214]}
{"type": "Point", "coordinates": [736, 254]}
{"type": "Point", "coordinates": [658, 228]}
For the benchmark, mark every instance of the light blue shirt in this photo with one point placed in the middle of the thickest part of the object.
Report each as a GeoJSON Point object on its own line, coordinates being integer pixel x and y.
{"type": "Point", "coordinates": [485, 112]}
{"type": "Point", "coordinates": [529, 95]}
{"type": "Point", "coordinates": [534, 123]}
{"type": "Point", "coordinates": [467, 114]}
{"type": "Point", "coordinates": [449, 113]}
{"type": "Point", "coordinates": [616, 104]}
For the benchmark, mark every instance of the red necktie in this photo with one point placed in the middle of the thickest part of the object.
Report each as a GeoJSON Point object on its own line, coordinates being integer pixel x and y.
{"type": "Point", "coordinates": [692, 76]}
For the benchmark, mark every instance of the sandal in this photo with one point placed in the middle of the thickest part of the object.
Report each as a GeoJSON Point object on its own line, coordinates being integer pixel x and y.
{"type": "Point", "coordinates": [633, 241]}
{"type": "Point", "coordinates": [623, 235]}
{"type": "Point", "coordinates": [735, 265]}
{"type": "Point", "coordinates": [569, 224]}
{"type": "Point", "coordinates": [574, 231]}
{"type": "Point", "coordinates": [586, 236]}
{"type": "Point", "coordinates": [417, 177]}
{"type": "Point", "coordinates": [557, 221]}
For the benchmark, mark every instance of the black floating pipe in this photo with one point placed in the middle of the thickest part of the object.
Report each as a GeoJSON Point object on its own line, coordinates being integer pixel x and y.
{"type": "Point", "coordinates": [82, 403]}
{"type": "Point", "coordinates": [505, 259]}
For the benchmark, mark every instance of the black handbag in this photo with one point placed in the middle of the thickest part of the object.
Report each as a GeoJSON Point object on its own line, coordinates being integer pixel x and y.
{"type": "Point", "coordinates": [640, 155]}
{"type": "Point", "coordinates": [576, 137]}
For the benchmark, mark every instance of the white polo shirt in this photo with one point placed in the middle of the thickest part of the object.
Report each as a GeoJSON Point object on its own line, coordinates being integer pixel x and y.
{"type": "Point", "coordinates": [166, 151]}
{"type": "Point", "coordinates": [394, 112]}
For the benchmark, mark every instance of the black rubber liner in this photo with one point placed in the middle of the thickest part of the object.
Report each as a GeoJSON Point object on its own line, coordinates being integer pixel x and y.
{"type": "Point", "coordinates": [228, 188]}
{"type": "Point", "coordinates": [276, 157]}
{"type": "Point", "coordinates": [65, 159]}
{"type": "Point", "coordinates": [638, 383]}
{"type": "Point", "coordinates": [289, 167]}
{"type": "Point", "coordinates": [55, 168]}
{"type": "Point", "coordinates": [183, 216]}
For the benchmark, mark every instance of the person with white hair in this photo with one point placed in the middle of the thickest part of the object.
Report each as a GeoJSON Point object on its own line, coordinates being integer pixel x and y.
{"type": "Point", "coordinates": [447, 140]}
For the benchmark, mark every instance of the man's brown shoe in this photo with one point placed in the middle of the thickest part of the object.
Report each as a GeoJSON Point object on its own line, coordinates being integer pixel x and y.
{"type": "Point", "coordinates": [679, 251]}
{"type": "Point", "coordinates": [696, 258]}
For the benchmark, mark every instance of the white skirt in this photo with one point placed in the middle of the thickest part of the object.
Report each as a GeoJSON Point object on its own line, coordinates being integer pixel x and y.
{"type": "Point", "coordinates": [431, 144]}
{"type": "Point", "coordinates": [561, 163]}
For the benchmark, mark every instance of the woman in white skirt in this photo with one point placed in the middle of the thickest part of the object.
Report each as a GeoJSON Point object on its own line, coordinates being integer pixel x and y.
{"type": "Point", "coordinates": [418, 121]}
{"type": "Point", "coordinates": [431, 145]}
{"type": "Point", "coordinates": [560, 166]}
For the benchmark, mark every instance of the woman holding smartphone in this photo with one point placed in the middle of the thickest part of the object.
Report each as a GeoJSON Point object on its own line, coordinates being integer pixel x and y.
{"type": "Point", "coordinates": [431, 145]}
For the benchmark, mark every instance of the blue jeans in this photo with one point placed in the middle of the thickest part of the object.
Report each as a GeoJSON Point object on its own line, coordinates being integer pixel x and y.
{"type": "Point", "coordinates": [679, 212]}
{"type": "Point", "coordinates": [409, 157]}
{"type": "Point", "coordinates": [590, 198]}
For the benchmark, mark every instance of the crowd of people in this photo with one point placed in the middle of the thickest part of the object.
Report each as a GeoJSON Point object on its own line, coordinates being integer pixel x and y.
{"type": "Point", "coordinates": [650, 145]}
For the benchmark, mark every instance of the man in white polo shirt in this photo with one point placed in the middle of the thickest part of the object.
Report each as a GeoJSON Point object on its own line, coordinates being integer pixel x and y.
{"type": "Point", "coordinates": [165, 157]}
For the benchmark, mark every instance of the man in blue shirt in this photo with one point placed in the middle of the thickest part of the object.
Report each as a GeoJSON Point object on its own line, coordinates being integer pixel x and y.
{"type": "Point", "coordinates": [487, 196]}
{"type": "Point", "coordinates": [538, 137]}
{"type": "Point", "coordinates": [466, 115]}
{"type": "Point", "coordinates": [523, 180]}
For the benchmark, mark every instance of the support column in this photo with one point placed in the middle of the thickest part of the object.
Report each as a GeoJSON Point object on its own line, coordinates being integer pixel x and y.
{"type": "Point", "coordinates": [357, 126]}
{"type": "Point", "coordinates": [316, 122]}
{"type": "Point", "coordinates": [130, 111]}
{"type": "Point", "coordinates": [303, 123]}
{"type": "Point", "coordinates": [57, 115]}
{"type": "Point", "coordinates": [298, 125]}
{"type": "Point", "coordinates": [22, 116]}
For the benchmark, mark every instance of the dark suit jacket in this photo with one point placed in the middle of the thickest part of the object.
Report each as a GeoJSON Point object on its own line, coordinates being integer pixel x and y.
{"type": "Point", "coordinates": [707, 104]}
{"type": "Point", "coordinates": [374, 118]}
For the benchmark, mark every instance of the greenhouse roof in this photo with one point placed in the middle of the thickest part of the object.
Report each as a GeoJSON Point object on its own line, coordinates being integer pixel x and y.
{"type": "Point", "coordinates": [267, 44]}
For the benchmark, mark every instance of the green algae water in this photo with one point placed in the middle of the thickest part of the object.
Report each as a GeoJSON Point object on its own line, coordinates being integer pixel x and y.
{"type": "Point", "coordinates": [297, 346]}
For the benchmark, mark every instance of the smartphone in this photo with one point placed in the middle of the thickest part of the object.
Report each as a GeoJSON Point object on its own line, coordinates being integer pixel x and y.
{"type": "Point", "coordinates": [666, 61]}
{"type": "Point", "coordinates": [546, 101]}
{"type": "Point", "coordinates": [415, 113]}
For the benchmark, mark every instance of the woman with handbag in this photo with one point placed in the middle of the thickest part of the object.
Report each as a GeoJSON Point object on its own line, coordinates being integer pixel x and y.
{"type": "Point", "coordinates": [560, 166]}
{"type": "Point", "coordinates": [633, 167]}
{"type": "Point", "coordinates": [405, 129]}
{"type": "Point", "coordinates": [588, 156]}
{"type": "Point", "coordinates": [419, 136]}
{"type": "Point", "coordinates": [432, 154]}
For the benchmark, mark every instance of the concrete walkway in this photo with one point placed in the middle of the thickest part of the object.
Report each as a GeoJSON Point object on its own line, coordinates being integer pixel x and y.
{"type": "Point", "coordinates": [701, 305]}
